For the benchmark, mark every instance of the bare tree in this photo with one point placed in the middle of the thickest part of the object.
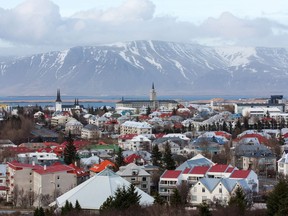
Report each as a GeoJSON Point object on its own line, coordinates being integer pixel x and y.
{"type": "Point", "coordinates": [183, 190]}
{"type": "Point", "coordinates": [46, 199]}
{"type": "Point", "coordinates": [15, 192]}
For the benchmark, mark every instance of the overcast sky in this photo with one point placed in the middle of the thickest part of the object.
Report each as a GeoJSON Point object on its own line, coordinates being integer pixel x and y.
{"type": "Point", "coordinates": [28, 26]}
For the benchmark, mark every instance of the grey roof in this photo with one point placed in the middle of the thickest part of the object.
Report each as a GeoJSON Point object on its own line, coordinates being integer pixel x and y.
{"type": "Point", "coordinates": [146, 101]}
{"type": "Point", "coordinates": [90, 127]}
{"type": "Point", "coordinates": [210, 183]}
{"type": "Point", "coordinates": [193, 163]}
{"type": "Point", "coordinates": [128, 170]}
{"type": "Point", "coordinates": [253, 150]}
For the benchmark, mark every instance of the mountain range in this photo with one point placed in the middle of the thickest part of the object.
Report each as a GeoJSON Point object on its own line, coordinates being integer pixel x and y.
{"type": "Point", "coordinates": [131, 68]}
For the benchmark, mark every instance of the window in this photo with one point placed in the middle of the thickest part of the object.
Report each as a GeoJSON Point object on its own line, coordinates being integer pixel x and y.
{"type": "Point", "coordinates": [133, 179]}
{"type": "Point", "coordinates": [204, 198]}
{"type": "Point", "coordinates": [220, 190]}
{"type": "Point", "coordinates": [58, 185]}
{"type": "Point", "coordinates": [195, 189]}
{"type": "Point", "coordinates": [144, 186]}
{"type": "Point", "coordinates": [144, 179]}
{"type": "Point", "coordinates": [203, 189]}
{"type": "Point", "coordinates": [58, 177]}
{"type": "Point", "coordinates": [194, 198]}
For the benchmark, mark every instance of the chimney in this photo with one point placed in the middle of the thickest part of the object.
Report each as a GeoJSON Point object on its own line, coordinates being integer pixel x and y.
{"type": "Point", "coordinates": [45, 167]}
{"type": "Point", "coordinates": [33, 163]}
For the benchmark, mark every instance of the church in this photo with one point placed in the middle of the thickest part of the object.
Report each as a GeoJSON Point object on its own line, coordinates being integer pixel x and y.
{"type": "Point", "coordinates": [153, 103]}
{"type": "Point", "coordinates": [59, 107]}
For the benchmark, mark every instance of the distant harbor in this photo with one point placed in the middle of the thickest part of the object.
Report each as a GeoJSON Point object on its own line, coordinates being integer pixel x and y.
{"type": "Point", "coordinates": [89, 101]}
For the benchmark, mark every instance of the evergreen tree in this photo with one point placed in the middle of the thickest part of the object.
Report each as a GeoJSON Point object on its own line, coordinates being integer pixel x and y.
{"type": "Point", "coordinates": [204, 210]}
{"type": "Point", "coordinates": [224, 126]}
{"type": "Point", "coordinates": [41, 212]}
{"type": "Point", "coordinates": [239, 201]}
{"type": "Point", "coordinates": [246, 123]}
{"type": "Point", "coordinates": [175, 199]}
{"type": "Point", "coordinates": [70, 152]}
{"type": "Point", "coordinates": [36, 212]}
{"type": "Point", "coordinates": [120, 158]}
{"type": "Point", "coordinates": [158, 199]}
{"type": "Point", "coordinates": [148, 111]}
{"type": "Point", "coordinates": [156, 156]}
{"type": "Point", "coordinates": [77, 206]}
{"type": "Point", "coordinates": [122, 199]}
{"type": "Point", "coordinates": [277, 200]}
{"type": "Point", "coordinates": [168, 161]}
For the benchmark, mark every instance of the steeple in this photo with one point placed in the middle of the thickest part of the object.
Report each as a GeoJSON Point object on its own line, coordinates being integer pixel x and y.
{"type": "Point", "coordinates": [153, 93]}
{"type": "Point", "coordinates": [58, 99]}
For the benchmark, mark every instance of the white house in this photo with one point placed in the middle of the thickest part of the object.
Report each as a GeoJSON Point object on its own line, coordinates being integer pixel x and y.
{"type": "Point", "coordinates": [168, 182]}
{"type": "Point", "coordinates": [138, 143]}
{"type": "Point", "coordinates": [74, 127]}
{"type": "Point", "coordinates": [212, 190]}
{"type": "Point", "coordinates": [131, 127]}
{"type": "Point", "coordinates": [283, 164]}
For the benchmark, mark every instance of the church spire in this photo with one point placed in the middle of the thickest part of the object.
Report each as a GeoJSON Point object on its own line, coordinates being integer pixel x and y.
{"type": "Point", "coordinates": [153, 86]}
{"type": "Point", "coordinates": [58, 99]}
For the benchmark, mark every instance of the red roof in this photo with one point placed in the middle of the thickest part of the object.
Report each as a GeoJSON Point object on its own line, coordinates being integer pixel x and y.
{"type": "Point", "coordinates": [132, 158]}
{"type": "Point", "coordinates": [78, 171]}
{"type": "Point", "coordinates": [261, 139]}
{"type": "Point", "coordinates": [219, 168]}
{"type": "Point", "coordinates": [48, 150]}
{"type": "Point", "coordinates": [16, 165]}
{"type": "Point", "coordinates": [223, 134]}
{"type": "Point", "coordinates": [100, 167]}
{"type": "Point", "coordinates": [186, 171]}
{"type": "Point", "coordinates": [127, 136]}
{"type": "Point", "coordinates": [159, 135]}
{"type": "Point", "coordinates": [241, 174]}
{"type": "Point", "coordinates": [199, 170]}
{"type": "Point", "coordinates": [49, 144]}
{"type": "Point", "coordinates": [78, 143]}
{"type": "Point", "coordinates": [230, 170]}
{"type": "Point", "coordinates": [54, 169]}
{"type": "Point", "coordinates": [19, 150]}
{"type": "Point", "coordinates": [171, 174]}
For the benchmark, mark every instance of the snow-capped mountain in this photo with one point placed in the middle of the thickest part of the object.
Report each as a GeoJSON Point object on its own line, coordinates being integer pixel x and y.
{"type": "Point", "coordinates": [130, 68]}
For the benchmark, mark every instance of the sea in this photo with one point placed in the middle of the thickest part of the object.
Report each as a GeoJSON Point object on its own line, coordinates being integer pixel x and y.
{"type": "Point", "coordinates": [100, 101]}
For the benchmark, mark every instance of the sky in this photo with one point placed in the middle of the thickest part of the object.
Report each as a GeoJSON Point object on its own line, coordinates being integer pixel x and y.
{"type": "Point", "coordinates": [32, 26]}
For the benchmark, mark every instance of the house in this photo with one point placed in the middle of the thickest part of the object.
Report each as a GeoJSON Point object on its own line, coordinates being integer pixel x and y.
{"type": "Point", "coordinates": [131, 127]}
{"type": "Point", "coordinates": [97, 168]}
{"type": "Point", "coordinates": [139, 143]}
{"type": "Point", "coordinates": [74, 127]}
{"type": "Point", "coordinates": [249, 176]}
{"type": "Point", "coordinates": [283, 164]}
{"type": "Point", "coordinates": [3, 186]}
{"type": "Point", "coordinates": [90, 132]}
{"type": "Point", "coordinates": [169, 181]}
{"type": "Point", "coordinates": [38, 158]}
{"type": "Point", "coordinates": [254, 156]}
{"type": "Point", "coordinates": [198, 160]}
{"type": "Point", "coordinates": [219, 171]}
{"type": "Point", "coordinates": [136, 175]}
{"type": "Point", "coordinates": [175, 148]}
{"type": "Point", "coordinates": [102, 185]}
{"type": "Point", "coordinates": [216, 190]}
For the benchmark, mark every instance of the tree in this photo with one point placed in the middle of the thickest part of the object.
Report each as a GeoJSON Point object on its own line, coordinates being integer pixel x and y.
{"type": "Point", "coordinates": [204, 209]}
{"type": "Point", "coordinates": [168, 161]}
{"type": "Point", "coordinates": [158, 199]}
{"type": "Point", "coordinates": [70, 152]}
{"type": "Point", "coordinates": [239, 201]}
{"type": "Point", "coordinates": [277, 200]}
{"type": "Point", "coordinates": [77, 206]}
{"type": "Point", "coordinates": [156, 156]}
{"type": "Point", "coordinates": [120, 158]}
{"type": "Point", "coordinates": [122, 199]}
{"type": "Point", "coordinates": [148, 111]}
{"type": "Point", "coordinates": [175, 199]}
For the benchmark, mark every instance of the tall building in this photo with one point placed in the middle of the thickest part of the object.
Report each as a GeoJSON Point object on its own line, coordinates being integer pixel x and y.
{"type": "Point", "coordinates": [153, 93]}
{"type": "Point", "coordinates": [58, 102]}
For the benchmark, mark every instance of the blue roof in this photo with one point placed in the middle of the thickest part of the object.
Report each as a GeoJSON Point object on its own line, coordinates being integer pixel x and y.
{"type": "Point", "coordinates": [193, 163]}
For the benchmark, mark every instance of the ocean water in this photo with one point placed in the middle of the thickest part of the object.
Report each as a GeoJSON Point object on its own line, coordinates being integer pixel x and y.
{"type": "Point", "coordinates": [89, 101]}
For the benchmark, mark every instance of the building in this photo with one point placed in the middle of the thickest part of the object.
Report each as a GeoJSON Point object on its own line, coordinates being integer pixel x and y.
{"type": "Point", "coordinates": [213, 190]}
{"type": "Point", "coordinates": [58, 102]}
{"type": "Point", "coordinates": [169, 181]}
{"type": "Point", "coordinates": [102, 186]}
{"type": "Point", "coordinates": [283, 164]}
{"type": "Point", "coordinates": [90, 132]}
{"type": "Point", "coordinates": [131, 127]}
{"type": "Point", "coordinates": [153, 103]}
{"type": "Point", "coordinates": [136, 175]}
{"type": "Point", "coordinates": [38, 158]}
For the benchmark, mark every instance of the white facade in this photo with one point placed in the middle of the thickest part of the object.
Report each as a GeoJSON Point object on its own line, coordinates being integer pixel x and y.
{"type": "Point", "coordinates": [74, 127]}
{"type": "Point", "coordinates": [131, 127]}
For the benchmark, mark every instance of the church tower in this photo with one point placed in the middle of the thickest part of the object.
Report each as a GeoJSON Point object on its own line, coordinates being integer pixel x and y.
{"type": "Point", "coordinates": [153, 93]}
{"type": "Point", "coordinates": [58, 104]}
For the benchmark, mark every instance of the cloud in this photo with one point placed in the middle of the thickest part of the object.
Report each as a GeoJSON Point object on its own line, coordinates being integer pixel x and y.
{"type": "Point", "coordinates": [39, 23]}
